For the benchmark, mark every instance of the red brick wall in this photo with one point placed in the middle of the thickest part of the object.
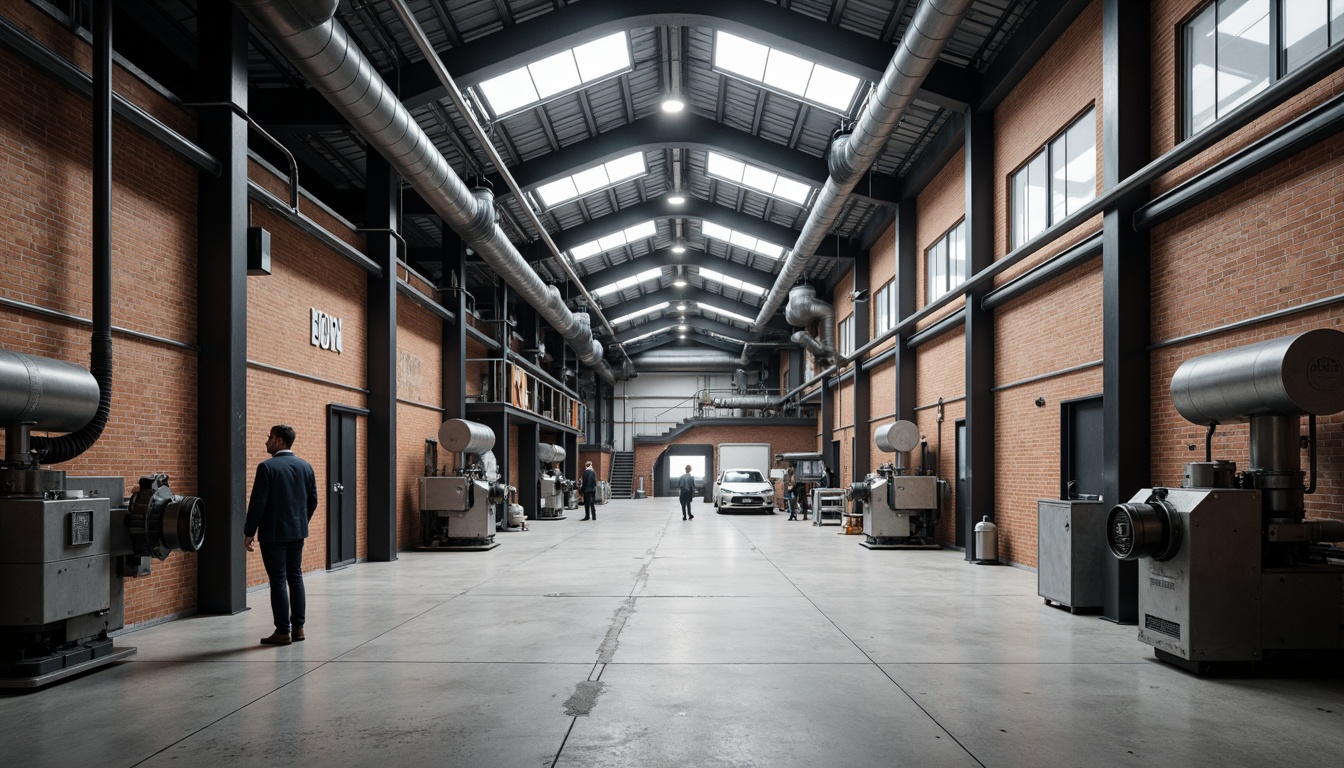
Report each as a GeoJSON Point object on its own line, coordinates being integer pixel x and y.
{"type": "Point", "coordinates": [46, 239]}
{"type": "Point", "coordinates": [939, 207]}
{"type": "Point", "coordinates": [941, 367]}
{"type": "Point", "coordinates": [419, 384]}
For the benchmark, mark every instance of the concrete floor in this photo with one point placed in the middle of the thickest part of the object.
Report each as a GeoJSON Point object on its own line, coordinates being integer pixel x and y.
{"type": "Point", "coordinates": [643, 640]}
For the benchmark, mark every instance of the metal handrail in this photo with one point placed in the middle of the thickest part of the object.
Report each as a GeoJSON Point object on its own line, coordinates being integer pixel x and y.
{"type": "Point", "coordinates": [540, 398]}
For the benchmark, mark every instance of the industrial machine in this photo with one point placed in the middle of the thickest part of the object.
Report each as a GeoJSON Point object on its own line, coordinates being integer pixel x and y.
{"type": "Point", "coordinates": [808, 473]}
{"type": "Point", "coordinates": [1231, 569]}
{"type": "Point", "coordinates": [900, 509]}
{"type": "Point", "coordinates": [552, 483]}
{"type": "Point", "coordinates": [458, 511]}
{"type": "Point", "coordinates": [67, 543]}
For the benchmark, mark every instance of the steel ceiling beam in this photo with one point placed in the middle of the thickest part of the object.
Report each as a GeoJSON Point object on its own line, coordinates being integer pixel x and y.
{"type": "Point", "coordinates": [947, 86]}
{"type": "Point", "coordinates": [690, 294]}
{"type": "Point", "coordinates": [697, 322]}
{"type": "Point", "coordinates": [666, 258]}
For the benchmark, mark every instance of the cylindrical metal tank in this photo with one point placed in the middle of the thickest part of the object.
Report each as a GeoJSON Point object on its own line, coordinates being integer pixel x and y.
{"type": "Point", "coordinates": [55, 395]}
{"type": "Point", "coordinates": [1292, 375]}
{"type": "Point", "coordinates": [898, 437]}
{"type": "Point", "coordinates": [462, 436]}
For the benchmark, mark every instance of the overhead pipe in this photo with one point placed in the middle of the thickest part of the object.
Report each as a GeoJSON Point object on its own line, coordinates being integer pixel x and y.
{"type": "Point", "coordinates": [666, 361]}
{"type": "Point", "coordinates": [54, 450]}
{"type": "Point", "coordinates": [748, 401]}
{"type": "Point", "coordinates": [803, 308]}
{"type": "Point", "coordinates": [851, 155]}
{"type": "Point", "coordinates": [306, 32]}
{"type": "Point", "coordinates": [468, 114]}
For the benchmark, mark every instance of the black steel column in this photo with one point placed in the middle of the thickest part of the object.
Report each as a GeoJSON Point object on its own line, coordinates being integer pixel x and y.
{"type": "Point", "coordinates": [862, 391]}
{"type": "Point", "coordinates": [980, 186]}
{"type": "Point", "coordinates": [382, 212]}
{"type": "Point", "coordinates": [571, 445]}
{"type": "Point", "coordinates": [1126, 275]}
{"type": "Point", "coordinates": [529, 495]}
{"type": "Point", "coordinates": [828, 426]}
{"type": "Point", "coordinates": [454, 297]}
{"type": "Point", "coordinates": [907, 260]}
{"type": "Point", "coordinates": [221, 301]}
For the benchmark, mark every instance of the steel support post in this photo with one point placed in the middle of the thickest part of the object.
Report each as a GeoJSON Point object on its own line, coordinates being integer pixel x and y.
{"type": "Point", "coordinates": [907, 260]}
{"type": "Point", "coordinates": [980, 186]}
{"type": "Point", "coordinates": [1126, 276]}
{"type": "Point", "coordinates": [454, 297]}
{"type": "Point", "coordinates": [221, 296]}
{"type": "Point", "coordinates": [861, 456]}
{"type": "Point", "coordinates": [382, 213]}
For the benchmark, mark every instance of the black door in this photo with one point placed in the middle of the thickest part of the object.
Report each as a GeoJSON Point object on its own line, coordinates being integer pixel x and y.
{"type": "Point", "coordinates": [963, 514]}
{"type": "Point", "coordinates": [341, 485]}
{"type": "Point", "coordinates": [1081, 452]}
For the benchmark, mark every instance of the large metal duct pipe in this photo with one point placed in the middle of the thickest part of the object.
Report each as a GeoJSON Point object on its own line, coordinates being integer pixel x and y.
{"type": "Point", "coordinates": [802, 309]}
{"type": "Point", "coordinates": [748, 401]}
{"type": "Point", "coordinates": [698, 362]}
{"type": "Point", "coordinates": [321, 50]}
{"type": "Point", "coordinates": [851, 156]}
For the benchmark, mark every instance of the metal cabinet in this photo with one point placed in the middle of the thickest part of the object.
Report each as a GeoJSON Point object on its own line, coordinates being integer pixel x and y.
{"type": "Point", "coordinates": [1071, 553]}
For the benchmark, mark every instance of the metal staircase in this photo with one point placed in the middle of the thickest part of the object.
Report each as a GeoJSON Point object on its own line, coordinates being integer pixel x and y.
{"type": "Point", "coordinates": [622, 474]}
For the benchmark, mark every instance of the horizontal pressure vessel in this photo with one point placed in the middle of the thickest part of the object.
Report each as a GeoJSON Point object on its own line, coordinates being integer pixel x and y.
{"type": "Point", "coordinates": [55, 395]}
{"type": "Point", "coordinates": [1292, 375]}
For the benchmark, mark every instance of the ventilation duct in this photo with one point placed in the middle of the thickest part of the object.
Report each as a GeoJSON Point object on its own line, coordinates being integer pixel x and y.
{"type": "Point", "coordinates": [321, 50]}
{"type": "Point", "coordinates": [749, 401]}
{"type": "Point", "coordinates": [852, 155]}
{"type": "Point", "coordinates": [803, 308]}
{"type": "Point", "coordinates": [697, 362]}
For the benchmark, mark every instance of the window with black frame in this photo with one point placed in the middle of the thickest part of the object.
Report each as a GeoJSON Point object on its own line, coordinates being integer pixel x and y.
{"type": "Point", "coordinates": [1234, 49]}
{"type": "Point", "coordinates": [1056, 181]}
{"type": "Point", "coordinates": [846, 333]}
{"type": "Point", "coordinates": [946, 262]}
{"type": "Point", "coordinates": [884, 308]}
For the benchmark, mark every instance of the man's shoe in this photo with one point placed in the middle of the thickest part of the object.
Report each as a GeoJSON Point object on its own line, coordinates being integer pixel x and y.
{"type": "Point", "coordinates": [297, 634]}
{"type": "Point", "coordinates": [583, 519]}
{"type": "Point", "coordinates": [279, 638]}
{"type": "Point", "coordinates": [692, 517]}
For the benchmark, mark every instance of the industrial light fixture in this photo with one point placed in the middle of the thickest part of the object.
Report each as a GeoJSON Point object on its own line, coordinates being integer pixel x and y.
{"type": "Point", "coordinates": [673, 105]}
{"type": "Point", "coordinates": [676, 199]}
{"type": "Point", "coordinates": [679, 282]}
{"type": "Point", "coordinates": [678, 248]}
{"type": "Point", "coordinates": [682, 337]}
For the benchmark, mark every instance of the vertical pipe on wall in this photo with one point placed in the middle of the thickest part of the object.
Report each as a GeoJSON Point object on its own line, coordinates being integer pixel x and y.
{"type": "Point", "coordinates": [382, 212]}
{"type": "Point", "coordinates": [906, 271]}
{"type": "Point", "coordinates": [861, 452]}
{"type": "Point", "coordinates": [980, 186]}
{"type": "Point", "coordinates": [221, 296]}
{"type": "Point", "coordinates": [1126, 283]}
{"type": "Point", "coordinates": [454, 354]}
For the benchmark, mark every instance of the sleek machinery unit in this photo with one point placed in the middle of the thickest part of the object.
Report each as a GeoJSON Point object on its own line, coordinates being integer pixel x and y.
{"type": "Point", "coordinates": [458, 511]}
{"type": "Point", "coordinates": [67, 543]}
{"type": "Point", "coordinates": [553, 486]}
{"type": "Point", "coordinates": [1232, 570]}
{"type": "Point", "coordinates": [900, 509]}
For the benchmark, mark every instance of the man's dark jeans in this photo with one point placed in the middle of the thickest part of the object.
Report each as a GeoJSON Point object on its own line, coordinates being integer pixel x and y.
{"type": "Point", "coordinates": [284, 566]}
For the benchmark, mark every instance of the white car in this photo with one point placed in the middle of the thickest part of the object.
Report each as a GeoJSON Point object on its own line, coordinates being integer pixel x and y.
{"type": "Point", "coordinates": [743, 490]}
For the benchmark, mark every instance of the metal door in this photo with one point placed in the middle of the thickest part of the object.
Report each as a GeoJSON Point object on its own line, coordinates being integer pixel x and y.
{"type": "Point", "coordinates": [341, 485]}
{"type": "Point", "coordinates": [963, 514]}
{"type": "Point", "coordinates": [1081, 452]}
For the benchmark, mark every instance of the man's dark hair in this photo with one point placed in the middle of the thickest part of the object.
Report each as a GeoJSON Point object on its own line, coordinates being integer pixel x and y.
{"type": "Point", "coordinates": [285, 433]}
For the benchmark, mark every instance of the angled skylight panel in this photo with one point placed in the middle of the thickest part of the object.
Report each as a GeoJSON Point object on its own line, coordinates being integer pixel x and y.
{"type": "Point", "coordinates": [759, 179]}
{"type": "Point", "coordinates": [725, 314]}
{"type": "Point", "coordinates": [784, 72]}
{"type": "Point", "coordinates": [615, 240]}
{"type": "Point", "coordinates": [629, 282]}
{"type": "Point", "coordinates": [556, 74]}
{"type": "Point", "coordinates": [650, 334]}
{"type": "Point", "coordinates": [731, 282]}
{"type": "Point", "coordinates": [741, 240]}
{"type": "Point", "coordinates": [636, 315]}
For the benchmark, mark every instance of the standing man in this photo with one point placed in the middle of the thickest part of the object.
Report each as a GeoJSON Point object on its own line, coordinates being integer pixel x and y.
{"type": "Point", "coordinates": [589, 487]}
{"type": "Point", "coordinates": [686, 484]}
{"type": "Point", "coordinates": [284, 496]}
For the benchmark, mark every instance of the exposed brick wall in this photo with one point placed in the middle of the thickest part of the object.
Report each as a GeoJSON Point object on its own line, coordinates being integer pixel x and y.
{"type": "Point", "coordinates": [420, 381]}
{"type": "Point", "coordinates": [781, 439]}
{"type": "Point", "coordinates": [938, 208]}
{"type": "Point", "coordinates": [941, 367]}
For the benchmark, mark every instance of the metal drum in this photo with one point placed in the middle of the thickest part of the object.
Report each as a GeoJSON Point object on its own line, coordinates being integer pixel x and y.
{"type": "Point", "coordinates": [462, 436]}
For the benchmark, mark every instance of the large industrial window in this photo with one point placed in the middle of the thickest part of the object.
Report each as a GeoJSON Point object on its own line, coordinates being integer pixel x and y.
{"type": "Point", "coordinates": [1230, 54]}
{"type": "Point", "coordinates": [846, 334]}
{"type": "Point", "coordinates": [884, 308]}
{"type": "Point", "coordinates": [946, 261]}
{"type": "Point", "coordinates": [1056, 181]}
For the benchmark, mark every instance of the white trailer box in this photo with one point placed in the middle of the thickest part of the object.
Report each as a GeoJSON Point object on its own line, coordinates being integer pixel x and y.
{"type": "Point", "coordinates": [744, 456]}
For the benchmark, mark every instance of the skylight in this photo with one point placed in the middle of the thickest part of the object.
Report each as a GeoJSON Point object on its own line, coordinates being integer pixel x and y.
{"type": "Point", "coordinates": [629, 282]}
{"type": "Point", "coordinates": [592, 179]}
{"type": "Point", "coordinates": [650, 334]}
{"type": "Point", "coordinates": [636, 315]}
{"type": "Point", "coordinates": [731, 282]}
{"type": "Point", "coordinates": [759, 179]}
{"type": "Point", "coordinates": [556, 74]}
{"type": "Point", "coordinates": [725, 313]}
{"type": "Point", "coordinates": [641, 231]}
{"type": "Point", "coordinates": [784, 72]}
{"type": "Point", "coordinates": [741, 240]}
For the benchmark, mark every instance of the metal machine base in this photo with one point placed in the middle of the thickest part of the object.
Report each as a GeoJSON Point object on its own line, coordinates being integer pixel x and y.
{"type": "Point", "coordinates": [465, 546]}
{"type": "Point", "coordinates": [37, 681]}
{"type": "Point", "coordinates": [1076, 609]}
{"type": "Point", "coordinates": [550, 517]}
{"type": "Point", "coordinates": [871, 543]}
